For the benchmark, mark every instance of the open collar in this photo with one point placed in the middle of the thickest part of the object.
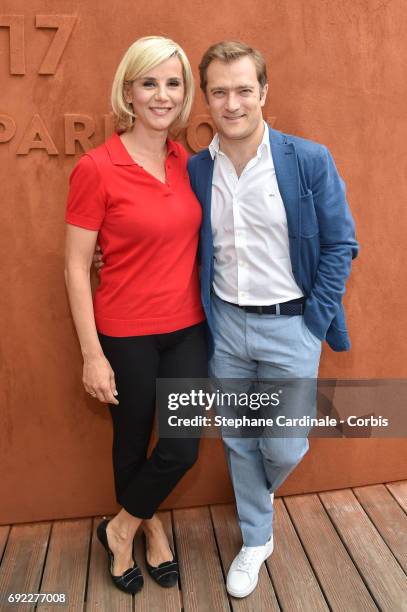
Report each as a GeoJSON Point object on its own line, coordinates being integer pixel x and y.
{"type": "Point", "coordinates": [119, 156]}
{"type": "Point", "coordinates": [214, 146]}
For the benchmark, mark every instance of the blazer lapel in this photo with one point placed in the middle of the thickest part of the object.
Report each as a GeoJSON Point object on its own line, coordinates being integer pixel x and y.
{"type": "Point", "coordinates": [285, 164]}
{"type": "Point", "coordinates": [205, 179]}
{"type": "Point", "coordinates": [205, 176]}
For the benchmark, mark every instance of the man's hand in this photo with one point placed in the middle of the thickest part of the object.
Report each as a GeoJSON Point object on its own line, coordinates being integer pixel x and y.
{"type": "Point", "coordinates": [98, 259]}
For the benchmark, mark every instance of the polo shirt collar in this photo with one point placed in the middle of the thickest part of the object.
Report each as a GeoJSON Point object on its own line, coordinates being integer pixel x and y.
{"type": "Point", "coordinates": [119, 155]}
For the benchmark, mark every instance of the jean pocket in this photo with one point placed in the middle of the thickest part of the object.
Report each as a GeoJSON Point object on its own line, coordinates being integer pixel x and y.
{"type": "Point", "coordinates": [313, 337]}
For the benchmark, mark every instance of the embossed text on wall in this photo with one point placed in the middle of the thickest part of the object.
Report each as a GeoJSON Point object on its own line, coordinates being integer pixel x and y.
{"type": "Point", "coordinates": [78, 128]}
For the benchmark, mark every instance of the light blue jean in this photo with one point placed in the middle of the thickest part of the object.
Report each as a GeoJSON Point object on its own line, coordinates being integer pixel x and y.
{"type": "Point", "coordinates": [251, 347]}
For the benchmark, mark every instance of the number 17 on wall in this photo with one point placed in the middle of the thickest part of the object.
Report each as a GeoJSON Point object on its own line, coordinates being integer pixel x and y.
{"type": "Point", "coordinates": [63, 24]}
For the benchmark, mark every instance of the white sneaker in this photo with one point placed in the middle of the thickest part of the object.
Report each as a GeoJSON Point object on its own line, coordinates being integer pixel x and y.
{"type": "Point", "coordinates": [244, 571]}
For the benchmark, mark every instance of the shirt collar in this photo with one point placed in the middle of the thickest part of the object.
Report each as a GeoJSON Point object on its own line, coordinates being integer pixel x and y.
{"type": "Point", "coordinates": [265, 142]}
{"type": "Point", "coordinates": [214, 146]}
{"type": "Point", "coordinates": [172, 148]}
{"type": "Point", "coordinates": [263, 146]}
{"type": "Point", "coordinates": [119, 155]}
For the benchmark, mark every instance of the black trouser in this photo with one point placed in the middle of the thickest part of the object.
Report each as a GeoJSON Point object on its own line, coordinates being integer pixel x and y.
{"type": "Point", "coordinates": [142, 482]}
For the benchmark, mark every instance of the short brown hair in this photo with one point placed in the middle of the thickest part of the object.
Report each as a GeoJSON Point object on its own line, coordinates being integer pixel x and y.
{"type": "Point", "coordinates": [228, 51]}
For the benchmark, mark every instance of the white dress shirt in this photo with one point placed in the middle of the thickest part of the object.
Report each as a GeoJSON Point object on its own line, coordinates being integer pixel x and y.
{"type": "Point", "coordinates": [252, 264]}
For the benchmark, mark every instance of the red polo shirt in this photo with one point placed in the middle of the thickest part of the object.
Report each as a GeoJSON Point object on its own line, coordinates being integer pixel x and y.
{"type": "Point", "coordinates": [148, 232]}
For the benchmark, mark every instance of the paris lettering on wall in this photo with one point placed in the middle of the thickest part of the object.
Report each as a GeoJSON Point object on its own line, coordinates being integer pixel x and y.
{"type": "Point", "coordinates": [78, 128]}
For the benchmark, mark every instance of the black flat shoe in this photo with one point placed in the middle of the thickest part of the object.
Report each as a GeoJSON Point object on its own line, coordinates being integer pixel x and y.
{"type": "Point", "coordinates": [165, 574]}
{"type": "Point", "coordinates": [132, 580]}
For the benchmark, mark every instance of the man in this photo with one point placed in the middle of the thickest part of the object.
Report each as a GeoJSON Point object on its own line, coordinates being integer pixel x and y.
{"type": "Point", "coordinates": [277, 242]}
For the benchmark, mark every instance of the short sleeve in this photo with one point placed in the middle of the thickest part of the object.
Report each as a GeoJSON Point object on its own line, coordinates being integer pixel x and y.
{"type": "Point", "coordinates": [86, 204]}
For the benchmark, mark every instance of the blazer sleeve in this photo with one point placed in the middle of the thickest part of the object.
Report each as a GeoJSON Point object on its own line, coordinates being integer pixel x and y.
{"type": "Point", "coordinates": [337, 243]}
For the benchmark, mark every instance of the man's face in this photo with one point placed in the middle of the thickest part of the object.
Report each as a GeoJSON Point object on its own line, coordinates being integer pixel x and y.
{"type": "Point", "coordinates": [234, 97]}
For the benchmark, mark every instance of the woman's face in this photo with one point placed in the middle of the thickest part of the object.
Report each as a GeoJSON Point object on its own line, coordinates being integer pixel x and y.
{"type": "Point", "coordinates": [157, 96]}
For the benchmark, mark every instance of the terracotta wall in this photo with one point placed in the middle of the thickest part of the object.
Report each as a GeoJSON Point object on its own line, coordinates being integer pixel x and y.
{"type": "Point", "coordinates": [337, 75]}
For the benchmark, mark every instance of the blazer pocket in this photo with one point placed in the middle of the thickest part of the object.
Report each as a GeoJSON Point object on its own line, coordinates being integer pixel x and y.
{"type": "Point", "coordinates": [309, 221]}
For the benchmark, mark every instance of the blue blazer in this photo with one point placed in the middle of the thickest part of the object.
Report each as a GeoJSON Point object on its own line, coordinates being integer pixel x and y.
{"type": "Point", "coordinates": [320, 230]}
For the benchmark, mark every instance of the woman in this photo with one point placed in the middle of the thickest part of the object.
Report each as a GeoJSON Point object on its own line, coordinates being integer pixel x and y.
{"type": "Point", "coordinates": [132, 194]}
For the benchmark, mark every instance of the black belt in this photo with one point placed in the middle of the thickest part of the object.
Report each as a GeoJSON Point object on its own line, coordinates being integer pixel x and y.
{"type": "Point", "coordinates": [291, 308]}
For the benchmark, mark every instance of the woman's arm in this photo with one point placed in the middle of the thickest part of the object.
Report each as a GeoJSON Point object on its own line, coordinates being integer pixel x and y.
{"type": "Point", "coordinates": [98, 376]}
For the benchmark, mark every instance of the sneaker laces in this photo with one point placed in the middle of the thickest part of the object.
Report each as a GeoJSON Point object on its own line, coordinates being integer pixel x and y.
{"type": "Point", "coordinates": [247, 556]}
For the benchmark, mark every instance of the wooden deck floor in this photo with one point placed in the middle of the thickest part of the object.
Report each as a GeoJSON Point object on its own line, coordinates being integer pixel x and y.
{"type": "Point", "coordinates": [343, 551]}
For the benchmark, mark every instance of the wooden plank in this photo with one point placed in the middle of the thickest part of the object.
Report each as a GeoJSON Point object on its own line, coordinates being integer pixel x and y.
{"type": "Point", "coordinates": [338, 577]}
{"type": "Point", "coordinates": [388, 518]}
{"type": "Point", "coordinates": [294, 581]}
{"type": "Point", "coordinates": [202, 584]}
{"type": "Point", "coordinates": [66, 566]}
{"type": "Point", "coordinates": [383, 575]}
{"type": "Point", "coordinates": [154, 598]}
{"type": "Point", "coordinates": [102, 595]}
{"type": "Point", "coordinates": [23, 560]}
{"type": "Point", "coordinates": [4, 533]}
{"type": "Point", "coordinates": [399, 492]}
{"type": "Point", "coordinates": [229, 538]}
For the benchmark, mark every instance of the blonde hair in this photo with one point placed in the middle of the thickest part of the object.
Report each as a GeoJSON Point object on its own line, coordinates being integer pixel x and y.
{"type": "Point", "coordinates": [229, 51]}
{"type": "Point", "coordinates": [144, 54]}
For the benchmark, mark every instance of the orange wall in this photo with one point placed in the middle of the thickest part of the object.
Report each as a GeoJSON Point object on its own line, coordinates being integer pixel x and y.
{"type": "Point", "coordinates": [337, 75]}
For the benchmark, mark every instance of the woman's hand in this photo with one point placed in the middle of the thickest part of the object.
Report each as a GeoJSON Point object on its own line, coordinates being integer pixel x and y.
{"type": "Point", "coordinates": [98, 376]}
{"type": "Point", "coordinates": [98, 379]}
